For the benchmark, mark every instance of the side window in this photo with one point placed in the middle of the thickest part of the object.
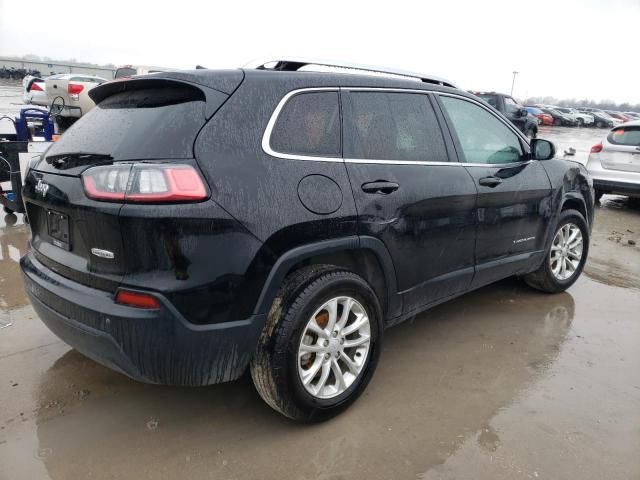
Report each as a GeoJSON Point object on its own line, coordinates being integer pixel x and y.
{"type": "Point", "coordinates": [309, 124]}
{"type": "Point", "coordinates": [483, 137]}
{"type": "Point", "coordinates": [392, 126]}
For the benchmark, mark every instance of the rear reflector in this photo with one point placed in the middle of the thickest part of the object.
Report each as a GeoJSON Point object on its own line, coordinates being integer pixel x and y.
{"type": "Point", "coordinates": [596, 148]}
{"type": "Point", "coordinates": [136, 299]}
{"type": "Point", "coordinates": [144, 183]}
{"type": "Point", "coordinates": [74, 88]}
{"type": "Point", "coordinates": [35, 88]}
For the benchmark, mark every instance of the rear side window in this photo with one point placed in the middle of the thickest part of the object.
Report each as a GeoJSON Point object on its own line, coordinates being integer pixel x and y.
{"type": "Point", "coordinates": [150, 123]}
{"type": "Point", "coordinates": [309, 125]}
{"type": "Point", "coordinates": [392, 126]}
{"type": "Point", "coordinates": [629, 136]}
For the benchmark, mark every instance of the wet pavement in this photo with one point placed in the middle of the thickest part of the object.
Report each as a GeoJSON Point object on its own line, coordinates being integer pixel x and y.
{"type": "Point", "coordinates": [502, 383]}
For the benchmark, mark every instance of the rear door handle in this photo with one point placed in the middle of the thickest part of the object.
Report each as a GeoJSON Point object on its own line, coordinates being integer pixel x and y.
{"type": "Point", "coordinates": [380, 186]}
{"type": "Point", "coordinates": [490, 181]}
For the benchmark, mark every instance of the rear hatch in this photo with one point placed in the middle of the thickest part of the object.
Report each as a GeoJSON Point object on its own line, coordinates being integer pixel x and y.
{"type": "Point", "coordinates": [136, 123]}
{"type": "Point", "coordinates": [621, 150]}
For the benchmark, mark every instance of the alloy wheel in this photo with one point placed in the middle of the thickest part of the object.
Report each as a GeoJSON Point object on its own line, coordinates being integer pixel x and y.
{"type": "Point", "coordinates": [566, 251]}
{"type": "Point", "coordinates": [334, 347]}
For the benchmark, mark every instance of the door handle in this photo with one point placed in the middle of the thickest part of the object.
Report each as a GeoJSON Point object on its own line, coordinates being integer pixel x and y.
{"type": "Point", "coordinates": [490, 181]}
{"type": "Point", "coordinates": [380, 186]}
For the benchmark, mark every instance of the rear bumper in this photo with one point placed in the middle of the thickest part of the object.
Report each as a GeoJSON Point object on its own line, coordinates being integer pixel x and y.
{"type": "Point", "coordinates": [152, 346]}
{"type": "Point", "coordinates": [612, 181]}
{"type": "Point", "coordinates": [621, 188]}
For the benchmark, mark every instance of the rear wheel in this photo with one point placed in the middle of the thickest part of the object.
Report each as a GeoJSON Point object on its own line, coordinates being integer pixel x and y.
{"type": "Point", "coordinates": [565, 257]}
{"type": "Point", "coordinates": [557, 122]}
{"type": "Point", "coordinates": [599, 124]}
{"type": "Point", "coordinates": [320, 345]}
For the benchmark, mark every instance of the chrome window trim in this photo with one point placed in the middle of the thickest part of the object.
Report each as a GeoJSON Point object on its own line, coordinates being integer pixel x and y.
{"type": "Point", "coordinates": [266, 137]}
{"type": "Point", "coordinates": [266, 147]}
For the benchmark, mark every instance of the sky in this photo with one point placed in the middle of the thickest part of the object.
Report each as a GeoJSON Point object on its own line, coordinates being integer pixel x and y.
{"type": "Point", "coordinates": [561, 48]}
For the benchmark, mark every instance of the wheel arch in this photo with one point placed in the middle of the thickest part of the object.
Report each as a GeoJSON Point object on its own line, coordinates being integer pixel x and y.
{"type": "Point", "coordinates": [365, 256]}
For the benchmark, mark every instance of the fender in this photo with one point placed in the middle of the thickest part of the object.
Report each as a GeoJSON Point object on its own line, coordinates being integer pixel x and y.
{"type": "Point", "coordinates": [286, 261]}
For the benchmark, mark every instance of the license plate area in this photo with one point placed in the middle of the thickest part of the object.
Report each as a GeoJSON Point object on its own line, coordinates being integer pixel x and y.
{"type": "Point", "coordinates": [58, 229]}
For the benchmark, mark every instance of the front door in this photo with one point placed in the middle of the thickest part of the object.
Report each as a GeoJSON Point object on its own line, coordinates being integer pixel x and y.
{"type": "Point", "coordinates": [514, 192]}
{"type": "Point", "coordinates": [408, 194]}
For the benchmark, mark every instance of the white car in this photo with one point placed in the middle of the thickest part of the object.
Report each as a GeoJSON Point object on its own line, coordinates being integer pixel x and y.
{"type": "Point", "coordinates": [34, 91]}
{"type": "Point", "coordinates": [614, 163]}
{"type": "Point", "coordinates": [68, 95]}
{"type": "Point", "coordinates": [583, 119]}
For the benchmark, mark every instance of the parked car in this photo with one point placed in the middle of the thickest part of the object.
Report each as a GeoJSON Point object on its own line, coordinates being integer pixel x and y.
{"type": "Point", "coordinates": [633, 115]}
{"type": "Point", "coordinates": [602, 120]}
{"type": "Point", "coordinates": [582, 119]}
{"type": "Point", "coordinates": [127, 71]}
{"type": "Point", "coordinates": [543, 118]}
{"type": "Point", "coordinates": [614, 163]}
{"type": "Point", "coordinates": [34, 91]}
{"type": "Point", "coordinates": [280, 220]}
{"type": "Point", "coordinates": [559, 118]}
{"type": "Point", "coordinates": [517, 114]}
{"type": "Point", "coordinates": [619, 116]}
{"type": "Point", "coordinates": [68, 95]}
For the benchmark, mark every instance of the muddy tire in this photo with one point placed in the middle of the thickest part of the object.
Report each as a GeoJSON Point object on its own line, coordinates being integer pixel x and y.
{"type": "Point", "coordinates": [278, 367]}
{"type": "Point", "coordinates": [546, 278]}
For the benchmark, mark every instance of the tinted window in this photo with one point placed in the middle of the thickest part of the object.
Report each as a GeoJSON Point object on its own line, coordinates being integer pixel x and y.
{"type": "Point", "coordinates": [152, 123]}
{"type": "Point", "coordinates": [483, 137]}
{"type": "Point", "coordinates": [392, 126]}
{"type": "Point", "coordinates": [309, 124]}
{"type": "Point", "coordinates": [629, 136]}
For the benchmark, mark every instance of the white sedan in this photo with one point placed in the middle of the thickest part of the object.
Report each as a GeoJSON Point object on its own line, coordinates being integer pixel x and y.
{"type": "Point", "coordinates": [614, 163]}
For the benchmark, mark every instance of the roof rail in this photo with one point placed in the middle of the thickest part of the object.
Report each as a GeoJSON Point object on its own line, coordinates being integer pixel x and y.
{"type": "Point", "coordinates": [293, 64]}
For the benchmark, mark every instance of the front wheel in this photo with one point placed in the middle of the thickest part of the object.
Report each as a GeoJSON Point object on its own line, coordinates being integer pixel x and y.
{"type": "Point", "coordinates": [320, 345]}
{"type": "Point", "coordinates": [565, 257]}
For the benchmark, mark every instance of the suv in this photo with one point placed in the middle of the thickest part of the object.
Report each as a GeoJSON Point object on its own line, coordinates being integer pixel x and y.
{"type": "Point", "coordinates": [198, 223]}
{"type": "Point", "coordinates": [519, 116]}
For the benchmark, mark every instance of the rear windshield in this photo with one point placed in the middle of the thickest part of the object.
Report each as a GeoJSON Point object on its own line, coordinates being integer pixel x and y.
{"type": "Point", "coordinates": [629, 136]}
{"type": "Point", "coordinates": [151, 123]}
{"type": "Point", "coordinates": [125, 72]}
{"type": "Point", "coordinates": [490, 99]}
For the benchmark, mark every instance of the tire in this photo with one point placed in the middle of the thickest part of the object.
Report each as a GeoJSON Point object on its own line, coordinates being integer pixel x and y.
{"type": "Point", "coordinates": [580, 122]}
{"type": "Point", "coordinates": [544, 278]}
{"type": "Point", "coordinates": [557, 122]}
{"type": "Point", "coordinates": [599, 124]}
{"type": "Point", "coordinates": [277, 367]}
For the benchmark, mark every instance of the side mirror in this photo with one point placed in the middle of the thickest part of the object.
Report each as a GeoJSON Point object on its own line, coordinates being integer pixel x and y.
{"type": "Point", "coordinates": [542, 149]}
{"type": "Point", "coordinates": [522, 112]}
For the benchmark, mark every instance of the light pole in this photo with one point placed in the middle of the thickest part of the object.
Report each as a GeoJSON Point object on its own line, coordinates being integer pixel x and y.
{"type": "Point", "coordinates": [513, 82]}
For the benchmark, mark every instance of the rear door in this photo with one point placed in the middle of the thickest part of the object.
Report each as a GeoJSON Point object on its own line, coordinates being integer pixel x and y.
{"type": "Point", "coordinates": [514, 192]}
{"type": "Point", "coordinates": [408, 194]}
{"type": "Point", "coordinates": [621, 150]}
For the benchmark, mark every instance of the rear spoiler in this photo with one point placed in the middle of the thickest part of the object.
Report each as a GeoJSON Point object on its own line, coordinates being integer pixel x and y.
{"type": "Point", "coordinates": [213, 83]}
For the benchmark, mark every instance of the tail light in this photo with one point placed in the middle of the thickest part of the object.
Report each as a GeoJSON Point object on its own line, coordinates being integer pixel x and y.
{"type": "Point", "coordinates": [137, 299]}
{"type": "Point", "coordinates": [596, 148]}
{"type": "Point", "coordinates": [144, 183]}
{"type": "Point", "coordinates": [74, 88]}
{"type": "Point", "coordinates": [35, 88]}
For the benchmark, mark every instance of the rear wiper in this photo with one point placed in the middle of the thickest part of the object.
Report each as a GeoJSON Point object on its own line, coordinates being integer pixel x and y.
{"type": "Point", "coordinates": [71, 160]}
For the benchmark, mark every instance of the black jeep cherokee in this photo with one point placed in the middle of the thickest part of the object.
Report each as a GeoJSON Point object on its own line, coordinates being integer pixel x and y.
{"type": "Point", "coordinates": [195, 224]}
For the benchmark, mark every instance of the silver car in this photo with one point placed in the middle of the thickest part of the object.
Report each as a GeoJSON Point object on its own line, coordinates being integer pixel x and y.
{"type": "Point", "coordinates": [614, 163]}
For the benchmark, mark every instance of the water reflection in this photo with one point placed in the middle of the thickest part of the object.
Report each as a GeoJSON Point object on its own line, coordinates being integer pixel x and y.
{"type": "Point", "coordinates": [441, 378]}
{"type": "Point", "coordinates": [13, 245]}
